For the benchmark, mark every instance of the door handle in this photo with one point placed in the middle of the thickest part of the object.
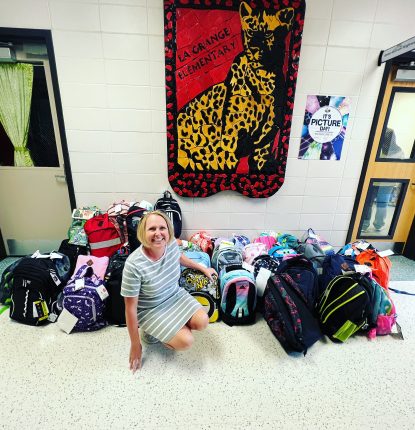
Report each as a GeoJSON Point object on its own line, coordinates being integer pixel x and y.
{"type": "Point", "coordinates": [60, 178]}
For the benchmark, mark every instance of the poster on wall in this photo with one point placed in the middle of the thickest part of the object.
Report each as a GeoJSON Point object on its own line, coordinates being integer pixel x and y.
{"type": "Point", "coordinates": [324, 127]}
{"type": "Point", "coordinates": [231, 71]}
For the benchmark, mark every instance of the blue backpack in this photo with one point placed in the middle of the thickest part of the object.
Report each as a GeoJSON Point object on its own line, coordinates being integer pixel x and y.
{"type": "Point", "coordinates": [238, 297]}
{"type": "Point", "coordinates": [334, 265]}
{"type": "Point", "coordinates": [303, 273]}
{"type": "Point", "coordinates": [199, 257]}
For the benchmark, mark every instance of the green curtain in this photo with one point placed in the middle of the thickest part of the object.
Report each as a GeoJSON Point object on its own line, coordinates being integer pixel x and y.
{"type": "Point", "coordinates": [16, 82]}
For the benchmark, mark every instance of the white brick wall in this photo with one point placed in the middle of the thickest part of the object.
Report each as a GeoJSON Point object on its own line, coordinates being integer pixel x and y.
{"type": "Point", "coordinates": [110, 61]}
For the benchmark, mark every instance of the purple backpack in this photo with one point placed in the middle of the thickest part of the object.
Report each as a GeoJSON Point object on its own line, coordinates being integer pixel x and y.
{"type": "Point", "coordinates": [84, 297]}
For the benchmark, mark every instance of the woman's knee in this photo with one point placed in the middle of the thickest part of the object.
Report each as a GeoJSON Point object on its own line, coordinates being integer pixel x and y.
{"type": "Point", "coordinates": [182, 341]}
{"type": "Point", "coordinates": [199, 320]}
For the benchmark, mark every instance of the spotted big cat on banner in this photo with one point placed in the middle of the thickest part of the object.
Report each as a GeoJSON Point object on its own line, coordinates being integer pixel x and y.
{"type": "Point", "coordinates": [237, 118]}
{"type": "Point", "coordinates": [233, 135]}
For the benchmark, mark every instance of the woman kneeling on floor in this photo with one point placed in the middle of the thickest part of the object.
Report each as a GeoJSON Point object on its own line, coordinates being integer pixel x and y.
{"type": "Point", "coordinates": [165, 312]}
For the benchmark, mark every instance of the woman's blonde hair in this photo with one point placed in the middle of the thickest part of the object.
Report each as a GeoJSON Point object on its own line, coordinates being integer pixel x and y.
{"type": "Point", "coordinates": [141, 231]}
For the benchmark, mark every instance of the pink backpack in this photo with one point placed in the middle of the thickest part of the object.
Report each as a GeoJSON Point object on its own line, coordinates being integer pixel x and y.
{"type": "Point", "coordinates": [99, 264]}
{"type": "Point", "coordinates": [268, 241]}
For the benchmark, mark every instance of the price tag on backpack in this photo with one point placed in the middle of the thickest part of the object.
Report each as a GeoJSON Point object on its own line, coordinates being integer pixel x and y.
{"type": "Point", "coordinates": [117, 209]}
{"type": "Point", "coordinates": [55, 278]}
{"type": "Point", "coordinates": [261, 280]}
{"type": "Point", "coordinates": [67, 321]}
{"type": "Point", "coordinates": [40, 310]}
{"type": "Point", "coordinates": [362, 245]}
{"type": "Point", "coordinates": [362, 268]}
{"type": "Point", "coordinates": [54, 255]}
{"type": "Point", "coordinates": [103, 292]}
{"type": "Point", "coordinates": [79, 284]}
{"type": "Point", "coordinates": [248, 267]}
{"type": "Point", "coordinates": [385, 253]}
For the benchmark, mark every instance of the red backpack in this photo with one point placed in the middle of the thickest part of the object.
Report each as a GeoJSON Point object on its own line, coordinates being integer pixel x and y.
{"type": "Point", "coordinates": [380, 266]}
{"type": "Point", "coordinates": [103, 237]}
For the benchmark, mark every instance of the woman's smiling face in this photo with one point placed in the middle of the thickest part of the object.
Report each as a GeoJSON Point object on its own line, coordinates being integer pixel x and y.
{"type": "Point", "coordinates": [157, 233]}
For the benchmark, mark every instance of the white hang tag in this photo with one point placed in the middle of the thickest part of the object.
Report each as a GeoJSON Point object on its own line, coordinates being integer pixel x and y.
{"type": "Point", "coordinates": [79, 284]}
{"type": "Point", "coordinates": [67, 321]}
{"type": "Point", "coordinates": [362, 245]}
{"type": "Point", "coordinates": [386, 253]}
{"type": "Point", "coordinates": [54, 255]}
{"type": "Point", "coordinates": [35, 254]}
{"type": "Point", "coordinates": [262, 280]}
{"type": "Point", "coordinates": [117, 209]}
{"type": "Point", "coordinates": [52, 317]}
{"type": "Point", "coordinates": [362, 268]}
{"type": "Point", "coordinates": [55, 278]}
{"type": "Point", "coordinates": [103, 292]}
{"type": "Point", "coordinates": [312, 235]}
{"type": "Point", "coordinates": [348, 251]}
{"type": "Point", "coordinates": [248, 267]}
{"type": "Point", "coordinates": [35, 314]}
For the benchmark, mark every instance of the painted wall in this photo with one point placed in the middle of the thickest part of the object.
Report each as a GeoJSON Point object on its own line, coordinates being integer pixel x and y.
{"type": "Point", "coordinates": [110, 61]}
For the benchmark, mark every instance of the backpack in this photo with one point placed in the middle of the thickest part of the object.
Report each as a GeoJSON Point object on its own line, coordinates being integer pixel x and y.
{"type": "Point", "coordinates": [314, 253]}
{"type": "Point", "coordinates": [114, 306]}
{"type": "Point", "coordinates": [238, 297]}
{"type": "Point", "coordinates": [253, 250]}
{"type": "Point", "coordinates": [199, 257]}
{"type": "Point", "coordinates": [288, 240]}
{"type": "Point", "coordinates": [334, 265]}
{"type": "Point", "coordinates": [226, 256]}
{"type": "Point", "coordinates": [132, 219]}
{"type": "Point", "coordinates": [303, 273]}
{"type": "Point", "coordinates": [204, 290]}
{"type": "Point", "coordinates": [240, 240]}
{"type": "Point", "coordinates": [72, 252]}
{"type": "Point", "coordinates": [203, 240]}
{"type": "Point", "coordinates": [344, 307]}
{"type": "Point", "coordinates": [99, 265]}
{"type": "Point", "coordinates": [36, 283]}
{"type": "Point", "coordinates": [278, 251]}
{"type": "Point", "coordinates": [380, 266]}
{"type": "Point", "coordinates": [76, 232]}
{"type": "Point", "coordinates": [311, 237]}
{"type": "Point", "coordinates": [289, 315]}
{"type": "Point", "coordinates": [171, 207]}
{"type": "Point", "coordinates": [117, 213]}
{"type": "Point", "coordinates": [103, 237]}
{"type": "Point", "coordinates": [6, 283]}
{"type": "Point", "coordinates": [83, 297]}
{"type": "Point", "coordinates": [264, 267]}
{"type": "Point", "coordinates": [269, 241]}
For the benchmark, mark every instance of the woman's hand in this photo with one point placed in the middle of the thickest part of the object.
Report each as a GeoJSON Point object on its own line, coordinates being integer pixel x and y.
{"type": "Point", "coordinates": [135, 356]}
{"type": "Point", "coordinates": [210, 272]}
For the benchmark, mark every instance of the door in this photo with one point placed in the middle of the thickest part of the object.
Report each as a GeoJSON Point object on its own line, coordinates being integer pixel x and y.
{"type": "Point", "coordinates": [386, 204]}
{"type": "Point", "coordinates": [35, 209]}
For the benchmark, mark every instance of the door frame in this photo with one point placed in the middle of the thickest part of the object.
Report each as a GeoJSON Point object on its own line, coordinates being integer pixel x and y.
{"type": "Point", "coordinates": [45, 36]}
{"type": "Point", "coordinates": [397, 247]}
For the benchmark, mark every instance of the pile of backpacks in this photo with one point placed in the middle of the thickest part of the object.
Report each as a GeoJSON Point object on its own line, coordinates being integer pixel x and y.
{"type": "Point", "coordinates": [78, 286]}
{"type": "Point", "coordinates": [302, 287]}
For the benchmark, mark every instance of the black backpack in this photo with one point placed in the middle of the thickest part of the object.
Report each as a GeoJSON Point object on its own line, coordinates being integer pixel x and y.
{"type": "Point", "coordinates": [114, 306]}
{"type": "Point", "coordinates": [72, 252]}
{"type": "Point", "coordinates": [289, 315]}
{"type": "Point", "coordinates": [345, 307]}
{"type": "Point", "coordinates": [36, 284]}
{"type": "Point", "coordinates": [171, 207]}
{"type": "Point", "coordinates": [132, 219]}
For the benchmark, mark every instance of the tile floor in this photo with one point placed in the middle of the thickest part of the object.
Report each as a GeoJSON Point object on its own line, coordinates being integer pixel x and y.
{"type": "Point", "coordinates": [233, 378]}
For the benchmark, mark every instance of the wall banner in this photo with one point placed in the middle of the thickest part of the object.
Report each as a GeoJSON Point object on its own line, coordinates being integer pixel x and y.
{"type": "Point", "coordinates": [324, 127]}
{"type": "Point", "coordinates": [231, 71]}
